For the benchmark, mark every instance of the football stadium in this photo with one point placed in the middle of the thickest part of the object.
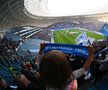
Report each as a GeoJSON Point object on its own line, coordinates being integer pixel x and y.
{"type": "Point", "coordinates": [69, 35]}
{"type": "Point", "coordinates": [49, 45]}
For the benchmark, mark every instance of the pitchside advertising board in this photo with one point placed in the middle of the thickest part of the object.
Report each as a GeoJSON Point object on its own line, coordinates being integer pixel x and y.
{"type": "Point", "coordinates": [67, 49]}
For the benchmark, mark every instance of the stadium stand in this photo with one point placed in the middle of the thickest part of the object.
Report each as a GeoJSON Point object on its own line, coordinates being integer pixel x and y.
{"type": "Point", "coordinates": [17, 25]}
{"type": "Point", "coordinates": [104, 30]}
{"type": "Point", "coordinates": [12, 64]}
{"type": "Point", "coordinates": [62, 25]}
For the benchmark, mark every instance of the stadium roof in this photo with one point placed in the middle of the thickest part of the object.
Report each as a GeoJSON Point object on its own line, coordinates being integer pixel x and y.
{"type": "Point", "coordinates": [53, 8]}
{"type": "Point", "coordinates": [18, 12]}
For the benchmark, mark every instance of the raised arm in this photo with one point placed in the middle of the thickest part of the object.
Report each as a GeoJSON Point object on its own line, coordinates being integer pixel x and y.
{"type": "Point", "coordinates": [90, 58]}
{"type": "Point", "coordinates": [78, 73]}
{"type": "Point", "coordinates": [40, 54]}
{"type": "Point", "coordinates": [42, 45]}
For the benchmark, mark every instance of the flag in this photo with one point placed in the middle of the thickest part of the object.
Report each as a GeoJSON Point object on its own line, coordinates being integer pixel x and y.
{"type": "Point", "coordinates": [81, 38]}
{"type": "Point", "coordinates": [91, 40]}
{"type": "Point", "coordinates": [88, 42]}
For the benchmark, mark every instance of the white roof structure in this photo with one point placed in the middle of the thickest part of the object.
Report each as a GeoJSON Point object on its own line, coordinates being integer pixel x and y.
{"type": "Point", "coordinates": [55, 8]}
{"type": "Point", "coordinates": [42, 13]}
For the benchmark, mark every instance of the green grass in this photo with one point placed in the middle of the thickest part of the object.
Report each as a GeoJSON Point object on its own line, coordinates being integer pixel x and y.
{"type": "Point", "coordinates": [62, 37]}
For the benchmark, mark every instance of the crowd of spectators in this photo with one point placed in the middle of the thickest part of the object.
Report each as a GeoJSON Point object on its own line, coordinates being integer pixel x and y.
{"type": "Point", "coordinates": [18, 28]}
{"type": "Point", "coordinates": [93, 26]}
{"type": "Point", "coordinates": [12, 65]}
{"type": "Point", "coordinates": [62, 25]}
{"type": "Point", "coordinates": [99, 45]}
{"type": "Point", "coordinates": [14, 68]}
{"type": "Point", "coordinates": [44, 35]}
{"type": "Point", "coordinates": [30, 74]}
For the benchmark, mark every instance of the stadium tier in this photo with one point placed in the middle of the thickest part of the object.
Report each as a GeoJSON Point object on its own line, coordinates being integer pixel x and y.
{"type": "Point", "coordinates": [40, 51]}
{"type": "Point", "coordinates": [104, 30]}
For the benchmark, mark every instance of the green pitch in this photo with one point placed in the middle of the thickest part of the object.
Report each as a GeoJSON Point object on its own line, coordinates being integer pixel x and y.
{"type": "Point", "coordinates": [69, 36]}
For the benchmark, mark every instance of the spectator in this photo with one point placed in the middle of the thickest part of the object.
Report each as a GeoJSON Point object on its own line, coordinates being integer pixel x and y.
{"type": "Point", "coordinates": [29, 81]}
{"type": "Point", "coordinates": [3, 84]}
{"type": "Point", "coordinates": [22, 82]}
{"type": "Point", "coordinates": [56, 73]}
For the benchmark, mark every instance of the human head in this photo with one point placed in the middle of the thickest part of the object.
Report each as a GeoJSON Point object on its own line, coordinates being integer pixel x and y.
{"type": "Point", "coordinates": [55, 70]}
{"type": "Point", "coordinates": [3, 84]}
{"type": "Point", "coordinates": [21, 81]}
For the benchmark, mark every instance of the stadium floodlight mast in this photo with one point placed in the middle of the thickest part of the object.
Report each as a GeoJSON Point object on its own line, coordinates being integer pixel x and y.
{"type": "Point", "coordinates": [53, 8]}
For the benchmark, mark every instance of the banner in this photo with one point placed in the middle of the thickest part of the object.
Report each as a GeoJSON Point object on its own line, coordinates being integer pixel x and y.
{"type": "Point", "coordinates": [67, 49]}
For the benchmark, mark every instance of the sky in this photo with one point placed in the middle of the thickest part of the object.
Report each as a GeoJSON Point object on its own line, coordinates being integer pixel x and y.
{"type": "Point", "coordinates": [77, 7]}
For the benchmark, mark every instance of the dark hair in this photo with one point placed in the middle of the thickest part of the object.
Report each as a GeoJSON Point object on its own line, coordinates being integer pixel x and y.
{"type": "Point", "coordinates": [55, 70]}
